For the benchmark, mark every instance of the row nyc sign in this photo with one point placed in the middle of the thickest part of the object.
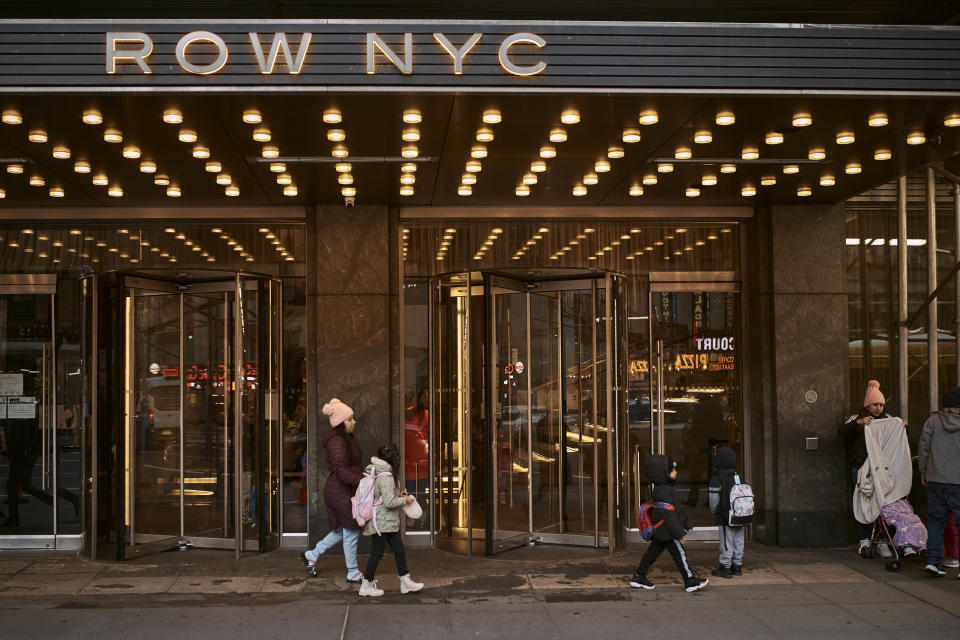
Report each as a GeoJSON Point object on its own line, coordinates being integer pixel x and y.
{"type": "Point", "coordinates": [193, 52]}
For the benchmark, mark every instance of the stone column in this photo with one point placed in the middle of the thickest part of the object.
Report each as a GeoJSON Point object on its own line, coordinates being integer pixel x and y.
{"type": "Point", "coordinates": [809, 358]}
{"type": "Point", "coordinates": [351, 343]}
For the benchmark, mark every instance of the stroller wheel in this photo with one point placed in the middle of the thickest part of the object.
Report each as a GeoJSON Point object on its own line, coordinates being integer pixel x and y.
{"type": "Point", "coordinates": [893, 565]}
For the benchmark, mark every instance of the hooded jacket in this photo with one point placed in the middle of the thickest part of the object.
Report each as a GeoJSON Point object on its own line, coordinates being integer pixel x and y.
{"type": "Point", "coordinates": [388, 513]}
{"type": "Point", "coordinates": [721, 483]}
{"type": "Point", "coordinates": [939, 452]}
{"type": "Point", "coordinates": [658, 469]}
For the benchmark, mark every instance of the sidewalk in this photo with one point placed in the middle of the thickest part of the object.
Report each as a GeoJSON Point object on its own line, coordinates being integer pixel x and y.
{"type": "Point", "coordinates": [782, 590]}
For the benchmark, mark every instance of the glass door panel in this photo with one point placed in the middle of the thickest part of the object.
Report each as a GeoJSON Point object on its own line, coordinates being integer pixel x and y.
{"type": "Point", "coordinates": [27, 439]}
{"type": "Point", "coordinates": [694, 334]}
{"type": "Point", "coordinates": [546, 415]}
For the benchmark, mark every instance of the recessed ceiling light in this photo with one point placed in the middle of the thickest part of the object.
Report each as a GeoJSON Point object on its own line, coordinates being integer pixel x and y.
{"type": "Point", "coordinates": [279, 167]}
{"type": "Point", "coordinates": [81, 166]}
{"type": "Point", "coordinates": [464, 190]}
{"type": "Point", "coordinates": [547, 151]}
{"type": "Point", "coordinates": [492, 116]}
{"type": "Point", "coordinates": [648, 117]}
{"type": "Point", "coordinates": [37, 181]}
{"type": "Point", "coordinates": [478, 151]}
{"type": "Point", "coordinates": [522, 190]}
{"type": "Point", "coordinates": [952, 120]}
{"type": "Point", "coordinates": [344, 178]}
{"type": "Point", "coordinates": [878, 120]}
{"type": "Point", "coordinates": [817, 154]}
{"type": "Point", "coordinates": [172, 116]}
{"type": "Point", "coordinates": [579, 190]}
{"type": "Point", "coordinates": [201, 152]}
{"type": "Point", "coordinates": [15, 168]}
{"type": "Point", "coordinates": [636, 190]}
{"type": "Point", "coordinates": [270, 151]}
{"type": "Point", "coordinates": [774, 137]}
{"type": "Point", "coordinates": [161, 180]}
{"type": "Point", "coordinates": [131, 152]}
{"type": "Point", "coordinates": [56, 192]}
{"type": "Point", "coordinates": [630, 136]}
{"type": "Point", "coordinates": [115, 191]}
{"type": "Point", "coordinates": [615, 152]}
{"type": "Point", "coordinates": [61, 153]}
{"type": "Point", "coordinates": [336, 135]}
{"type": "Point", "coordinates": [529, 178]}
{"type": "Point", "coordinates": [708, 180]}
{"type": "Point", "coordinates": [846, 137]}
{"type": "Point", "coordinates": [232, 191]}
{"type": "Point", "coordinates": [804, 191]}
{"type": "Point", "coordinates": [407, 178]}
{"type": "Point", "coordinates": [484, 134]}
{"type": "Point", "coordinates": [728, 168]}
{"type": "Point", "coordinates": [11, 116]}
{"type": "Point", "coordinates": [332, 116]}
{"type": "Point", "coordinates": [474, 166]}
{"type": "Point", "coordinates": [92, 116]}
{"type": "Point", "coordinates": [412, 116]}
{"type": "Point", "coordinates": [37, 135]}
{"type": "Point", "coordinates": [802, 120]}
{"type": "Point", "coordinates": [468, 178]}
{"type": "Point", "coordinates": [408, 167]}
{"type": "Point", "coordinates": [261, 134]}
{"type": "Point", "coordinates": [410, 151]}
{"type": "Point", "coordinates": [827, 180]}
{"type": "Point", "coordinates": [570, 116]}
{"type": "Point", "coordinates": [148, 166]}
{"type": "Point", "coordinates": [916, 137]}
{"type": "Point", "coordinates": [591, 179]}
{"type": "Point", "coordinates": [410, 134]}
{"type": "Point", "coordinates": [100, 180]}
{"type": "Point", "coordinates": [174, 191]}
{"type": "Point", "coordinates": [725, 118]}
{"type": "Point", "coordinates": [290, 190]}
{"type": "Point", "coordinates": [882, 154]}
{"type": "Point", "coordinates": [601, 166]}
{"type": "Point", "coordinates": [748, 190]}
{"type": "Point", "coordinates": [768, 181]}
{"type": "Point", "coordinates": [791, 168]}
{"type": "Point", "coordinates": [284, 178]}
{"type": "Point", "coordinates": [406, 190]}
{"type": "Point", "coordinates": [749, 153]}
{"type": "Point", "coordinates": [703, 137]}
{"type": "Point", "coordinates": [852, 168]}
{"type": "Point", "coordinates": [692, 192]}
{"type": "Point", "coordinates": [213, 166]}
{"type": "Point", "coordinates": [224, 178]}
{"type": "Point", "coordinates": [558, 135]}
{"type": "Point", "coordinates": [682, 153]}
{"type": "Point", "coordinates": [650, 178]}
{"type": "Point", "coordinates": [538, 166]}
{"type": "Point", "coordinates": [187, 135]}
{"type": "Point", "coordinates": [252, 116]}
{"type": "Point", "coordinates": [664, 167]}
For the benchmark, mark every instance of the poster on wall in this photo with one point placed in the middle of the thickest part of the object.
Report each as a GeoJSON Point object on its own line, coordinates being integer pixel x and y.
{"type": "Point", "coordinates": [21, 408]}
{"type": "Point", "coordinates": [11, 384]}
{"type": "Point", "coordinates": [3, 408]}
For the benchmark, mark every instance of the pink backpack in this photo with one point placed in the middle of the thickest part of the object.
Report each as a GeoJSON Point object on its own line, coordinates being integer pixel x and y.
{"type": "Point", "coordinates": [363, 503]}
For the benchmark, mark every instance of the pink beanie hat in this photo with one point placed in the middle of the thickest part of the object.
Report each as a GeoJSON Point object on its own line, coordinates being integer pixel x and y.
{"type": "Point", "coordinates": [337, 411]}
{"type": "Point", "coordinates": [873, 394]}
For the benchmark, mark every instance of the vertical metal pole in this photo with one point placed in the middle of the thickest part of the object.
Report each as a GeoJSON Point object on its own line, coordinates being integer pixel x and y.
{"type": "Point", "coordinates": [932, 346]}
{"type": "Point", "coordinates": [596, 432]}
{"type": "Point", "coordinates": [902, 330]}
{"type": "Point", "coordinates": [44, 410]}
{"type": "Point", "coordinates": [130, 444]}
{"type": "Point", "coordinates": [529, 421]}
{"type": "Point", "coordinates": [561, 436]}
{"type": "Point", "coordinates": [278, 416]}
{"type": "Point", "coordinates": [612, 409]}
{"type": "Point", "coordinates": [54, 472]}
{"type": "Point", "coordinates": [182, 404]}
{"type": "Point", "coordinates": [494, 401]}
{"type": "Point", "coordinates": [431, 416]}
{"type": "Point", "coordinates": [92, 373]}
{"type": "Point", "coordinates": [238, 382]}
{"type": "Point", "coordinates": [224, 387]}
{"type": "Point", "coordinates": [466, 417]}
{"type": "Point", "coordinates": [661, 427]}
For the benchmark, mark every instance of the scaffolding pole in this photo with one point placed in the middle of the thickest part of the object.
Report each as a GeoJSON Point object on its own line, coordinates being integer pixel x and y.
{"type": "Point", "coordinates": [902, 330]}
{"type": "Point", "coordinates": [932, 350]}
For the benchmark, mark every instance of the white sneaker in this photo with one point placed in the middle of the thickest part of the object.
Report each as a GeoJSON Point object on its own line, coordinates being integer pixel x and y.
{"type": "Point", "coordinates": [369, 588]}
{"type": "Point", "coordinates": [407, 585]}
{"type": "Point", "coordinates": [908, 551]}
{"type": "Point", "coordinates": [934, 570]}
{"type": "Point", "coordinates": [864, 548]}
{"type": "Point", "coordinates": [951, 563]}
{"type": "Point", "coordinates": [884, 550]}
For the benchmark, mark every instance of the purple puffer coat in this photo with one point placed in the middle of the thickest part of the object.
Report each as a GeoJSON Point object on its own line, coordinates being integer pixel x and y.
{"type": "Point", "coordinates": [345, 463]}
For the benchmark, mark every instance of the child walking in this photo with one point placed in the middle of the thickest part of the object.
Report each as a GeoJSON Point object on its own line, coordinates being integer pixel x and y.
{"type": "Point", "coordinates": [671, 526]}
{"type": "Point", "coordinates": [731, 538]}
{"type": "Point", "coordinates": [384, 529]}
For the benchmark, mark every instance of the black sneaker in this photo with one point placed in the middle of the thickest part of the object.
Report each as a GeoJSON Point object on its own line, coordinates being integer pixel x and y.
{"type": "Point", "coordinates": [305, 560]}
{"type": "Point", "coordinates": [312, 571]}
{"type": "Point", "coordinates": [695, 584]}
{"type": "Point", "coordinates": [722, 572]}
{"type": "Point", "coordinates": [641, 582]}
{"type": "Point", "coordinates": [736, 569]}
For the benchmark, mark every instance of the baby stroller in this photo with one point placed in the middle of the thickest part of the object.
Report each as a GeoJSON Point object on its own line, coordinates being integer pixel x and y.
{"type": "Point", "coordinates": [883, 483]}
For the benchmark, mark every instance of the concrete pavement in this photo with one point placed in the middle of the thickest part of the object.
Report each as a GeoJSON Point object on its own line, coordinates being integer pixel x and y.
{"type": "Point", "coordinates": [542, 592]}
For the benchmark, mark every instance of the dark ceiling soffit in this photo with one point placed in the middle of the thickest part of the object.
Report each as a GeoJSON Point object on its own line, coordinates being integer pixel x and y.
{"type": "Point", "coordinates": [607, 213]}
{"type": "Point", "coordinates": [275, 214]}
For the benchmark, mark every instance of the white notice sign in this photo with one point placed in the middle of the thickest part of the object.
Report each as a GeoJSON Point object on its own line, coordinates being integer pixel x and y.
{"type": "Point", "coordinates": [22, 408]}
{"type": "Point", "coordinates": [3, 408]}
{"type": "Point", "coordinates": [11, 384]}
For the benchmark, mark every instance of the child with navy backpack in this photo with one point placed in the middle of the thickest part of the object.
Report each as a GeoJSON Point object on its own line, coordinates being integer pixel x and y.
{"type": "Point", "coordinates": [732, 529]}
{"type": "Point", "coordinates": [670, 526]}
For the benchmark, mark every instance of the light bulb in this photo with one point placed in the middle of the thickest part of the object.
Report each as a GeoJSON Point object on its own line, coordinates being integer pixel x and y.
{"type": "Point", "coordinates": [615, 152]}
{"type": "Point", "coordinates": [570, 116]}
{"type": "Point", "coordinates": [846, 137]}
{"type": "Point", "coordinates": [636, 190]}
{"type": "Point", "coordinates": [37, 135]}
{"type": "Point", "coordinates": [601, 166]}
{"type": "Point", "coordinates": [802, 120]}
{"type": "Point", "coordinates": [728, 168]}
{"type": "Point", "coordinates": [11, 116]}
{"type": "Point", "coordinates": [213, 167]}
{"type": "Point", "coordinates": [92, 116]}
{"type": "Point", "coordinates": [492, 116]}
{"type": "Point", "coordinates": [558, 135]}
{"type": "Point", "coordinates": [878, 120]}
{"type": "Point", "coordinates": [548, 152]}
{"type": "Point", "coordinates": [252, 116]}
{"type": "Point", "coordinates": [187, 135]}
{"type": "Point", "coordinates": [630, 136]}
{"type": "Point", "coordinates": [749, 153]}
{"type": "Point", "coordinates": [768, 181]}
{"type": "Point", "coordinates": [172, 116]}
{"type": "Point", "coordinates": [261, 134]}
{"type": "Point", "coordinates": [81, 166]}
{"type": "Point", "coordinates": [648, 117]}
{"type": "Point", "coordinates": [148, 167]}
{"type": "Point", "coordinates": [332, 116]}
{"type": "Point", "coordinates": [791, 168]}
{"type": "Point", "coordinates": [817, 154]}
{"type": "Point", "coordinates": [774, 137]}
{"type": "Point", "coordinates": [412, 116]}
{"type": "Point", "coordinates": [725, 118]}
{"type": "Point", "coordinates": [702, 137]}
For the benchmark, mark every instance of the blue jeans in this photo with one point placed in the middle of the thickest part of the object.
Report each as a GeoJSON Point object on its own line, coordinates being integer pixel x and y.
{"type": "Point", "coordinates": [349, 537]}
{"type": "Point", "coordinates": [941, 500]}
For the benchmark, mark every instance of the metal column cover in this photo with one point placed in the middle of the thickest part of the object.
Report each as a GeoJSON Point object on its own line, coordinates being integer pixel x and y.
{"type": "Point", "coordinates": [933, 382]}
{"type": "Point", "coordinates": [902, 308]}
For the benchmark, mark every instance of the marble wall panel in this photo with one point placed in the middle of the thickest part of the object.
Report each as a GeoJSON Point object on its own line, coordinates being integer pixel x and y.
{"type": "Point", "coordinates": [352, 249]}
{"type": "Point", "coordinates": [807, 244]}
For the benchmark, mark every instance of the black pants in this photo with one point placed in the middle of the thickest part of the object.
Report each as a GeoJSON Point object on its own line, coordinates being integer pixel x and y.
{"type": "Point", "coordinates": [656, 548]}
{"type": "Point", "coordinates": [380, 542]}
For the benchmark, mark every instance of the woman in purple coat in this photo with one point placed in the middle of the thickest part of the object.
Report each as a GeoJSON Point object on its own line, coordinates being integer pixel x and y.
{"type": "Point", "coordinates": [345, 463]}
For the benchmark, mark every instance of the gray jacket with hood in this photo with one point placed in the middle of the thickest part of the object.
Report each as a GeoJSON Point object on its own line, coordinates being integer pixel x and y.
{"type": "Point", "coordinates": [388, 513]}
{"type": "Point", "coordinates": [939, 452]}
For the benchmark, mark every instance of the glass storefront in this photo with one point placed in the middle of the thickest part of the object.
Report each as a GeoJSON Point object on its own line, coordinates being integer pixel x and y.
{"type": "Point", "coordinates": [144, 366]}
{"type": "Point", "coordinates": [626, 336]}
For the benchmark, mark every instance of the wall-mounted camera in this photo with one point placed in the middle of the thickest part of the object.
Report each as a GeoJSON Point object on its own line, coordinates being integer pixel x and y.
{"type": "Point", "coordinates": [349, 201]}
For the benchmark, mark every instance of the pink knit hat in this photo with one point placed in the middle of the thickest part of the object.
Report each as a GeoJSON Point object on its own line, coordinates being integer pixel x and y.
{"type": "Point", "coordinates": [873, 394]}
{"type": "Point", "coordinates": [337, 411]}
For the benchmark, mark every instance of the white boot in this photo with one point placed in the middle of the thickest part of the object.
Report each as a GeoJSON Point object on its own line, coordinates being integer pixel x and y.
{"type": "Point", "coordinates": [369, 588]}
{"type": "Point", "coordinates": [407, 585]}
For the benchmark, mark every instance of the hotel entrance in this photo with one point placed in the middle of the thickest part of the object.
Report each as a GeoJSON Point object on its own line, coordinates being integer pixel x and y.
{"type": "Point", "coordinates": [529, 407]}
{"type": "Point", "coordinates": [200, 406]}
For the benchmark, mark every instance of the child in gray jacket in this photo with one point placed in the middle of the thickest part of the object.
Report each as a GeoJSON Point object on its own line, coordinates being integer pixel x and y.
{"type": "Point", "coordinates": [731, 538]}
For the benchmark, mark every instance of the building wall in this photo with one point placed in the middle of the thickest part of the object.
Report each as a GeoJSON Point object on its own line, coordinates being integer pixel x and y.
{"type": "Point", "coordinates": [807, 305]}
{"type": "Point", "coordinates": [351, 316]}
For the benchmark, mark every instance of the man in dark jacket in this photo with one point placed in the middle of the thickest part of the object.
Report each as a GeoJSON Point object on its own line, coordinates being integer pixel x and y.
{"type": "Point", "coordinates": [671, 526]}
{"type": "Point", "coordinates": [939, 461]}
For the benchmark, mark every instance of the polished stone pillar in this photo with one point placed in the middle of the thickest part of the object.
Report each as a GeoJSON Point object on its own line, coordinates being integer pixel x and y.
{"type": "Point", "coordinates": [808, 363]}
{"type": "Point", "coordinates": [351, 327]}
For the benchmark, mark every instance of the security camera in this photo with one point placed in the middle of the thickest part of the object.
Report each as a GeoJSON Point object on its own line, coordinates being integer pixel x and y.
{"type": "Point", "coordinates": [349, 201]}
